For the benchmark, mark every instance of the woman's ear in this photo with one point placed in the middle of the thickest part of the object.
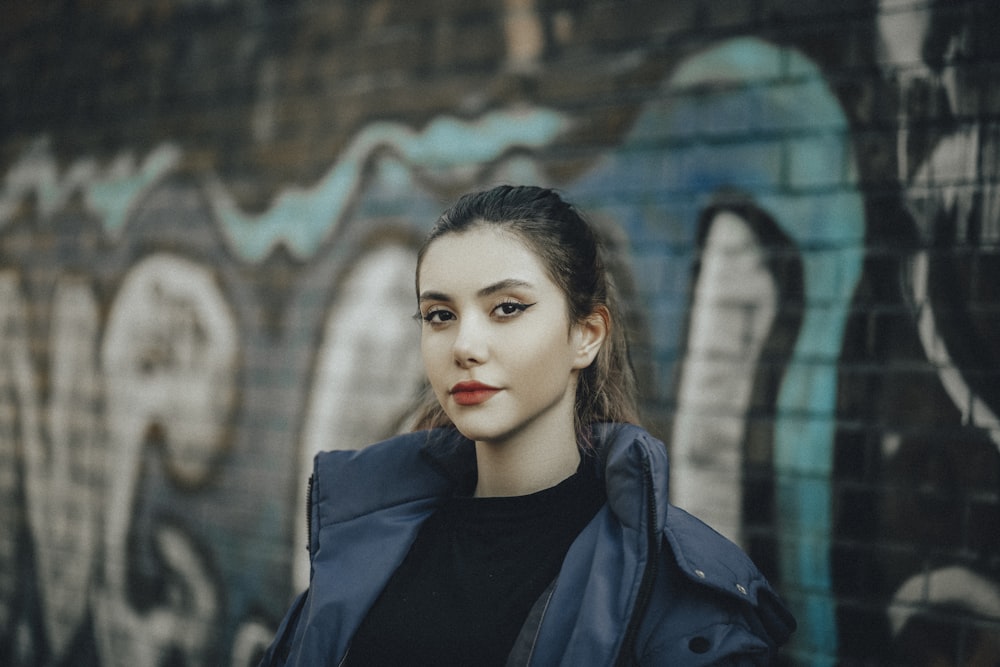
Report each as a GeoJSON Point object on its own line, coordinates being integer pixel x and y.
{"type": "Point", "coordinates": [588, 336]}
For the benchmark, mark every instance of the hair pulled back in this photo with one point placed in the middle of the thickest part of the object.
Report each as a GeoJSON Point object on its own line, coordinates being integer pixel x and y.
{"type": "Point", "coordinates": [571, 253]}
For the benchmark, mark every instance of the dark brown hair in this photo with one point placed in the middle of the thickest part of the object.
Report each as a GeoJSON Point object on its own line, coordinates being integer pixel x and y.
{"type": "Point", "coordinates": [572, 255]}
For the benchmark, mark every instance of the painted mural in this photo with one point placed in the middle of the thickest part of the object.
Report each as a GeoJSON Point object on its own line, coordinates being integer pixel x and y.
{"type": "Point", "coordinates": [814, 315]}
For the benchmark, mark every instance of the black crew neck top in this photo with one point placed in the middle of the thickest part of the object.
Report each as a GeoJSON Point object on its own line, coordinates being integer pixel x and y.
{"type": "Point", "coordinates": [472, 575]}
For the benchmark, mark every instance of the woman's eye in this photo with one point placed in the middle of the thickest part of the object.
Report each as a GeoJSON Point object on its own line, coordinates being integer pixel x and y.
{"type": "Point", "coordinates": [509, 309]}
{"type": "Point", "coordinates": [437, 316]}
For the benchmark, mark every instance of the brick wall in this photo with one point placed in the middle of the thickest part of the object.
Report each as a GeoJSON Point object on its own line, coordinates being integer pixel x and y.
{"type": "Point", "coordinates": [208, 217]}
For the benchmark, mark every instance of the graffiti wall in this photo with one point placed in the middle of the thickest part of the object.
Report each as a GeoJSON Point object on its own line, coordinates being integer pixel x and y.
{"type": "Point", "coordinates": [209, 215]}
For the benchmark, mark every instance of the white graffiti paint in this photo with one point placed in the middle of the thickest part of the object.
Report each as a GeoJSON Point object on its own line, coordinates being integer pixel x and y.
{"type": "Point", "coordinates": [184, 625]}
{"type": "Point", "coordinates": [64, 482]}
{"type": "Point", "coordinates": [169, 359]}
{"type": "Point", "coordinates": [973, 408]}
{"type": "Point", "coordinates": [63, 464]}
{"type": "Point", "coordinates": [19, 419]}
{"type": "Point", "coordinates": [251, 640]}
{"type": "Point", "coordinates": [524, 33]}
{"type": "Point", "coordinates": [941, 185]}
{"type": "Point", "coordinates": [733, 308]}
{"type": "Point", "coordinates": [368, 367]}
{"type": "Point", "coordinates": [944, 181]}
{"type": "Point", "coordinates": [169, 362]}
{"type": "Point", "coordinates": [903, 27]}
{"type": "Point", "coordinates": [953, 587]}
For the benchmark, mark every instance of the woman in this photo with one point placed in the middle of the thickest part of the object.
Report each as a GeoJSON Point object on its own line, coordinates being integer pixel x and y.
{"type": "Point", "coordinates": [528, 522]}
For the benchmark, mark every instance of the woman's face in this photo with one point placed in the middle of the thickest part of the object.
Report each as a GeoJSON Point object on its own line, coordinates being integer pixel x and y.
{"type": "Point", "coordinates": [497, 345]}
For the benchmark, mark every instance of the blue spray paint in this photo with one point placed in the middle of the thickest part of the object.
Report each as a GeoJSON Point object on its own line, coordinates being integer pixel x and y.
{"type": "Point", "coordinates": [759, 119]}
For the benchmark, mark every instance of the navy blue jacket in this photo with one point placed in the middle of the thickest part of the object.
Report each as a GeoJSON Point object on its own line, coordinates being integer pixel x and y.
{"type": "Point", "coordinates": [644, 583]}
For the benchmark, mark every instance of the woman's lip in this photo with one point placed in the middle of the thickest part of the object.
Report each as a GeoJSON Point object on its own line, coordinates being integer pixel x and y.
{"type": "Point", "coordinates": [472, 393]}
{"type": "Point", "coordinates": [471, 385]}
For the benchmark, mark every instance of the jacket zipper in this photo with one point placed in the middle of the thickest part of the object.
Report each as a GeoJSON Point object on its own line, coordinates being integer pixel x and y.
{"type": "Point", "coordinates": [648, 575]}
{"type": "Point", "coordinates": [309, 527]}
{"type": "Point", "coordinates": [538, 627]}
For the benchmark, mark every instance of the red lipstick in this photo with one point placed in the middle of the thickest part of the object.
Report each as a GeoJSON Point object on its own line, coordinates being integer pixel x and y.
{"type": "Point", "coordinates": [472, 393]}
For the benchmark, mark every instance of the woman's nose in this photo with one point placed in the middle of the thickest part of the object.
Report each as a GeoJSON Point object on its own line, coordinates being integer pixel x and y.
{"type": "Point", "coordinates": [471, 346]}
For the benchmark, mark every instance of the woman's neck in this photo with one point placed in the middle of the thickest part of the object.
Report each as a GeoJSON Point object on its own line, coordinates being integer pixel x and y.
{"type": "Point", "coordinates": [518, 467]}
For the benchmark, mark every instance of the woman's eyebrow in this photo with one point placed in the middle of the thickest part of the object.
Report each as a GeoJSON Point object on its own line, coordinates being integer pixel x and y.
{"type": "Point", "coordinates": [499, 286]}
{"type": "Point", "coordinates": [502, 285]}
{"type": "Point", "coordinates": [433, 296]}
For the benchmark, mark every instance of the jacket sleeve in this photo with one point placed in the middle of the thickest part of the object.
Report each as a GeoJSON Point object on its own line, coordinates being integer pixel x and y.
{"type": "Point", "coordinates": [277, 653]}
{"type": "Point", "coordinates": [731, 639]}
{"type": "Point", "coordinates": [710, 605]}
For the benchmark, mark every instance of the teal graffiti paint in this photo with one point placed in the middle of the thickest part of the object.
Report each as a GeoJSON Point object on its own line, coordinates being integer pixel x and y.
{"type": "Point", "coordinates": [303, 218]}
{"type": "Point", "coordinates": [113, 198]}
{"type": "Point", "coordinates": [110, 193]}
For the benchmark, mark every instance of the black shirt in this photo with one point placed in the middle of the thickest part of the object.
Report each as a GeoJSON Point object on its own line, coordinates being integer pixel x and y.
{"type": "Point", "coordinates": [473, 573]}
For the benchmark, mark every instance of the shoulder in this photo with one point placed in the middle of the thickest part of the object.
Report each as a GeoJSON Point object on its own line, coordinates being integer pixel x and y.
{"type": "Point", "coordinates": [350, 483]}
{"type": "Point", "coordinates": [708, 594]}
{"type": "Point", "coordinates": [713, 604]}
{"type": "Point", "coordinates": [343, 467]}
